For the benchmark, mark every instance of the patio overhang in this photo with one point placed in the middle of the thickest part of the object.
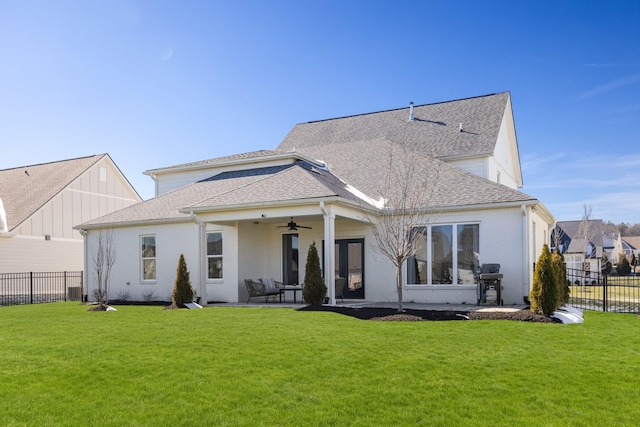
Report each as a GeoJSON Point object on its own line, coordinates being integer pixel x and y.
{"type": "Point", "coordinates": [277, 213]}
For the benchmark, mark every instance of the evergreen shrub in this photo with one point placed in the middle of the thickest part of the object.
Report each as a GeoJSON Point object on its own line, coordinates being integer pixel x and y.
{"type": "Point", "coordinates": [314, 290]}
{"type": "Point", "coordinates": [182, 291]}
{"type": "Point", "coordinates": [623, 268]}
{"type": "Point", "coordinates": [544, 290]}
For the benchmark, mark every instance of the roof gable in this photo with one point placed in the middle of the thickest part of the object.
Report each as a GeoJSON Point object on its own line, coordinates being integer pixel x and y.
{"type": "Point", "coordinates": [26, 189]}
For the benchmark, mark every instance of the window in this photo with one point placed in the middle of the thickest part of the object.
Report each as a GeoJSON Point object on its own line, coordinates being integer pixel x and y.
{"type": "Point", "coordinates": [445, 254]}
{"type": "Point", "coordinates": [214, 255]}
{"type": "Point", "coordinates": [148, 255]}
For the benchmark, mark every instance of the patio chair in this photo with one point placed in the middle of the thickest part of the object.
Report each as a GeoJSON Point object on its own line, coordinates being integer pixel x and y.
{"type": "Point", "coordinates": [273, 287]}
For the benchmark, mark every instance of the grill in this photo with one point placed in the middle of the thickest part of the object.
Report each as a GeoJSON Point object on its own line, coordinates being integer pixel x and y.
{"type": "Point", "coordinates": [490, 285]}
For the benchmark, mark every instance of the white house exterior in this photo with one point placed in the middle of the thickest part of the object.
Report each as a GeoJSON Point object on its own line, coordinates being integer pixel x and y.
{"type": "Point", "coordinates": [41, 204]}
{"type": "Point", "coordinates": [229, 215]}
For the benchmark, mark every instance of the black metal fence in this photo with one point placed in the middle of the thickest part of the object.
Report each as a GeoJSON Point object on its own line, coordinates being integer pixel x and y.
{"type": "Point", "coordinates": [601, 292]}
{"type": "Point", "coordinates": [40, 287]}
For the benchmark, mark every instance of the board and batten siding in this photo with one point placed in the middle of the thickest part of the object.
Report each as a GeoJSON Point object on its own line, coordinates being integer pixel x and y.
{"type": "Point", "coordinates": [98, 191]}
{"type": "Point", "coordinates": [46, 240]}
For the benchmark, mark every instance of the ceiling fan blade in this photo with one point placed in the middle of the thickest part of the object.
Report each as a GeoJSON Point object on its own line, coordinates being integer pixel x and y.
{"type": "Point", "coordinates": [304, 226]}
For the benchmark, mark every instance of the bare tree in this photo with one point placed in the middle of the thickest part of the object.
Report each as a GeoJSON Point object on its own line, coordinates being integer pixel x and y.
{"type": "Point", "coordinates": [406, 207]}
{"type": "Point", "coordinates": [585, 236]}
{"type": "Point", "coordinates": [557, 237]}
{"type": "Point", "coordinates": [103, 260]}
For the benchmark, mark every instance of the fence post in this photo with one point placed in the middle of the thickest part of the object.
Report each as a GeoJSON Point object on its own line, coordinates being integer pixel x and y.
{"type": "Point", "coordinates": [66, 290]}
{"type": "Point", "coordinates": [31, 287]}
{"type": "Point", "coordinates": [604, 292]}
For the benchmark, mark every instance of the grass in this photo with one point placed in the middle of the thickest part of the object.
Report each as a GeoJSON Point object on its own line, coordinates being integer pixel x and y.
{"type": "Point", "coordinates": [63, 365]}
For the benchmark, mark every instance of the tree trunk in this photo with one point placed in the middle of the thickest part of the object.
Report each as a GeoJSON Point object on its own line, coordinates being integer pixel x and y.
{"type": "Point", "coordinates": [399, 287]}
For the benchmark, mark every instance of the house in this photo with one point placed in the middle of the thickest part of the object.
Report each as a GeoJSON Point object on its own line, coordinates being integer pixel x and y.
{"type": "Point", "coordinates": [581, 243]}
{"type": "Point", "coordinates": [40, 204]}
{"type": "Point", "coordinates": [254, 215]}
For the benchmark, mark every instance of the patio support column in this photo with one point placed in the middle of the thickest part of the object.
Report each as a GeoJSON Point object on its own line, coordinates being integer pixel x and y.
{"type": "Point", "coordinates": [329, 252]}
{"type": "Point", "coordinates": [202, 252]}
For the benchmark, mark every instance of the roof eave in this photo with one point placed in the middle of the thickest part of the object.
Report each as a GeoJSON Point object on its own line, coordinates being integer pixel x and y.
{"type": "Point", "coordinates": [275, 204]}
{"type": "Point", "coordinates": [137, 223]}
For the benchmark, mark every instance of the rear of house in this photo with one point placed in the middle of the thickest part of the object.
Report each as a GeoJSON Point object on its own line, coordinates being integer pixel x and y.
{"type": "Point", "coordinates": [254, 215]}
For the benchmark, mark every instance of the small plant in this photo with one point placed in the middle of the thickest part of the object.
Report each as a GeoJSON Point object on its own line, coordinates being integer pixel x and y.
{"type": "Point", "coordinates": [182, 291]}
{"type": "Point", "coordinates": [123, 295]}
{"type": "Point", "coordinates": [149, 295]}
{"type": "Point", "coordinates": [314, 290]}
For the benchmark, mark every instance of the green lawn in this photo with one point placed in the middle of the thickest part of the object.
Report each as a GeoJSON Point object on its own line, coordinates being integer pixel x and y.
{"type": "Point", "coordinates": [63, 365]}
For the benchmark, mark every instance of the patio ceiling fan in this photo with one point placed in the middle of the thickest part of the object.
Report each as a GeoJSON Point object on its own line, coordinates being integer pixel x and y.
{"type": "Point", "coordinates": [293, 226]}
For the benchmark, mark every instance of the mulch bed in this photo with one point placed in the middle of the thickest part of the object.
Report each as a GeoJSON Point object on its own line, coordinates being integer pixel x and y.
{"type": "Point", "coordinates": [391, 314]}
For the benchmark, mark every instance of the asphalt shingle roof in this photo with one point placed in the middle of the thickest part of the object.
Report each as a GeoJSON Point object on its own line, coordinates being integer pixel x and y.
{"type": "Point", "coordinates": [359, 151]}
{"type": "Point", "coordinates": [25, 189]}
{"type": "Point", "coordinates": [435, 130]}
{"type": "Point", "coordinates": [291, 182]}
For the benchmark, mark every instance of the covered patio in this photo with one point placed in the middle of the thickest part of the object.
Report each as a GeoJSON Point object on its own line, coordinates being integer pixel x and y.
{"type": "Point", "coordinates": [271, 243]}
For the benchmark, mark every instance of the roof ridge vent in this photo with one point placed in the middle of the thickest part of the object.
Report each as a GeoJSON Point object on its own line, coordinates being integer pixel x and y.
{"type": "Point", "coordinates": [411, 116]}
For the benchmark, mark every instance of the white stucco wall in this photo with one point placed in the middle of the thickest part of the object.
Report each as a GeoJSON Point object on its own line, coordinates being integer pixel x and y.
{"type": "Point", "coordinates": [500, 243]}
{"type": "Point", "coordinates": [253, 249]}
{"type": "Point", "coordinates": [126, 274]}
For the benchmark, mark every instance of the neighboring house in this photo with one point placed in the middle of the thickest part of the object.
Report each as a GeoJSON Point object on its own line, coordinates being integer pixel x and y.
{"type": "Point", "coordinates": [633, 243]}
{"type": "Point", "coordinates": [242, 216]}
{"type": "Point", "coordinates": [40, 204]}
{"type": "Point", "coordinates": [623, 245]}
{"type": "Point", "coordinates": [581, 243]}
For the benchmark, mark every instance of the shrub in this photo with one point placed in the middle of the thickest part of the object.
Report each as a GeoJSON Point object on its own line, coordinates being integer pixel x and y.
{"type": "Point", "coordinates": [314, 290]}
{"type": "Point", "coordinates": [123, 295]}
{"type": "Point", "coordinates": [149, 295]}
{"type": "Point", "coordinates": [561, 276]}
{"type": "Point", "coordinates": [182, 291]}
{"type": "Point", "coordinates": [606, 264]}
{"type": "Point", "coordinates": [623, 268]}
{"type": "Point", "coordinates": [544, 290]}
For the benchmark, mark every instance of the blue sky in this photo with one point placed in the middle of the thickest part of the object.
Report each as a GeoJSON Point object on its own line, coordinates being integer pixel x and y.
{"type": "Point", "coordinates": [159, 83]}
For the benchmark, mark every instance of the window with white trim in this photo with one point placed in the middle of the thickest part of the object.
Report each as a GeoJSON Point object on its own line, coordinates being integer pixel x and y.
{"type": "Point", "coordinates": [214, 255]}
{"type": "Point", "coordinates": [148, 255]}
{"type": "Point", "coordinates": [445, 254]}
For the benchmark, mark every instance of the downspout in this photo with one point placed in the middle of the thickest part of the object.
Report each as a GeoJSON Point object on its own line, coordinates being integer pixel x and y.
{"type": "Point", "coordinates": [329, 252]}
{"type": "Point", "coordinates": [202, 282]}
{"type": "Point", "coordinates": [525, 251]}
{"type": "Point", "coordinates": [85, 263]}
